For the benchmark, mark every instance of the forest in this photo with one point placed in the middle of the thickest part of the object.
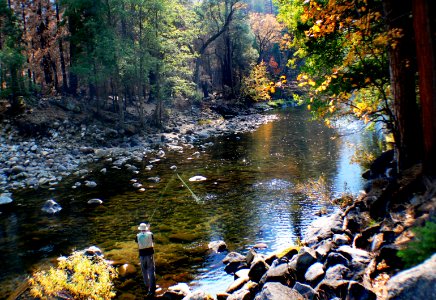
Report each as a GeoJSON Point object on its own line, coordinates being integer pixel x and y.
{"type": "Point", "coordinates": [369, 60]}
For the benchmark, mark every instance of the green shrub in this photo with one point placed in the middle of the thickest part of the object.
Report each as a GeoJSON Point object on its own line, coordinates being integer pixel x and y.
{"type": "Point", "coordinates": [77, 277]}
{"type": "Point", "coordinates": [421, 247]}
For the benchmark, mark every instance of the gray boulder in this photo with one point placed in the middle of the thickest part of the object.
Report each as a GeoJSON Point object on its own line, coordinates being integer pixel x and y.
{"type": "Point", "coordinates": [257, 269]}
{"type": "Point", "coordinates": [278, 273]}
{"type": "Point", "coordinates": [321, 229]}
{"type": "Point", "coordinates": [416, 283]}
{"type": "Point", "coordinates": [51, 207]}
{"type": "Point", "coordinates": [315, 273]}
{"type": "Point", "coordinates": [305, 290]}
{"type": "Point", "coordinates": [276, 291]}
{"type": "Point", "coordinates": [197, 295]}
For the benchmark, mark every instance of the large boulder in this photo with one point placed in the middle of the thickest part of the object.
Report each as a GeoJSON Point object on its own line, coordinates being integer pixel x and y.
{"type": "Point", "coordinates": [234, 261]}
{"type": "Point", "coordinates": [321, 228]}
{"type": "Point", "coordinates": [276, 291]}
{"type": "Point", "coordinates": [305, 290]}
{"type": "Point", "coordinates": [257, 269]}
{"type": "Point", "coordinates": [177, 292]}
{"type": "Point", "coordinates": [278, 273]}
{"type": "Point", "coordinates": [416, 283]}
{"type": "Point", "coordinates": [315, 273]}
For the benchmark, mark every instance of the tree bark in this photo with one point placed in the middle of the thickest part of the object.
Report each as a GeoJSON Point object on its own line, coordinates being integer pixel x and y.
{"type": "Point", "coordinates": [424, 12]}
{"type": "Point", "coordinates": [408, 131]}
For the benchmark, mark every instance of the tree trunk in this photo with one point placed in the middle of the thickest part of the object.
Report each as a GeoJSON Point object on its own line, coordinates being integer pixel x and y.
{"type": "Point", "coordinates": [61, 53]}
{"type": "Point", "coordinates": [424, 12]}
{"type": "Point", "coordinates": [408, 133]}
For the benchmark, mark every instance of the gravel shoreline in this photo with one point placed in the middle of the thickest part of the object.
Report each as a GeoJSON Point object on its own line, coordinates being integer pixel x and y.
{"type": "Point", "coordinates": [70, 147]}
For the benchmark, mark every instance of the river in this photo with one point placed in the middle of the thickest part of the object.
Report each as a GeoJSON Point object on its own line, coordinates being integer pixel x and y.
{"type": "Point", "coordinates": [249, 196]}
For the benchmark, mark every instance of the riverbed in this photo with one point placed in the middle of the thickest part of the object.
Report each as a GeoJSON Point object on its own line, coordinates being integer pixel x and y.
{"type": "Point", "coordinates": [249, 197]}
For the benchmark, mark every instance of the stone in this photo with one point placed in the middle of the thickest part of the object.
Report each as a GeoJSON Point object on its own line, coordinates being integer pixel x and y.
{"type": "Point", "coordinates": [323, 248]}
{"type": "Point", "coordinates": [90, 184]}
{"type": "Point", "coordinates": [304, 259]}
{"type": "Point", "coordinates": [354, 254]}
{"type": "Point", "coordinates": [51, 207]}
{"type": "Point", "coordinates": [257, 269]}
{"type": "Point", "coordinates": [177, 292]}
{"type": "Point", "coordinates": [5, 198]}
{"type": "Point", "coordinates": [320, 229]}
{"type": "Point", "coordinates": [240, 295]}
{"type": "Point", "coordinates": [197, 178]}
{"type": "Point", "coordinates": [337, 273]}
{"type": "Point", "coordinates": [357, 291]}
{"type": "Point", "coordinates": [242, 273]}
{"type": "Point", "coordinates": [314, 273]}
{"type": "Point", "coordinates": [416, 283]}
{"type": "Point", "coordinates": [305, 290]}
{"type": "Point", "coordinates": [217, 246]}
{"type": "Point", "coordinates": [251, 254]}
{"type": "Point", "coordinates": [198, 295]}
{"type": "Point", "coordinates": [233, 262]}
{"type": "Point", "coordinates": [95, 201]}
{"type": "Point", "coordinates": [330, 289]}
{"type": "Point", "coordinates": [93, 251]}
{"type": "Point", "coordinates": [335, 258]}
{"type": "Point", "coordinates": [127, 270]}
{"type": "Point", "coordinates": [276, 290]}
{"type": "Point", "coordinates": [237, 284]}
{"type": "Point", "coordinates": [341, 239]}
{"type": "Point", "coordinates": [278, 273]}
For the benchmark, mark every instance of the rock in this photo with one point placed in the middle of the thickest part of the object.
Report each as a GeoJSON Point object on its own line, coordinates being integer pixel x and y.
{"type": "Point", "coordinates": [242, 294]}
{"type": "Point", "coordinates": [314, 273]}
{"type": "Point", "coordinates": [337, 273]}
{"type": "Point", "coordinates": [90, 184]}
{"type": "Point", "coordinates": [95, 201]}
{"type": "Point", "coordinates": [237, 284]}
{"type": "Point", "coordinates": [197, 178]}
{"type": "Point", "coordinates": [320, 229]}
{"type": "Point", "coordinates": [356, 291]}
{"type": "Point", "coordinates": [51, 207]}
{"type": "Point", "coordinates": [251, 254]}
{"type": "Point", "coordinates": [127, 270]}
{"type": "Point", "coordinates": [232, 257]}
{"type": "Point", "coordinates": [304, 259]}
{"type": "Point", "coordinates": [329, 289]}
{"type": "Point", "coordinates": [276, 291]}
{"type": "Point", "coordinates": [86, 150]}
{"type": "Point", "coordinates": [355, 255]}
{"type": "Point", "coordinates": [177, 292]}
{"type": "Point", "coordinates": [233, 262]}
{"type": "Point", "coordinates": [323, 248]}
{"type": "Point", "coordinates": [335, 258]}
{"type": "Point", "coordinates": [17, 170]}
{"type": "Point", "coordinates": [5, 198]}
{"type": "Point", "coordinates": [137, 185]}
{"type": "Point", "coordinates": [260, 246]}
{"type": "Point", "coordinates": [217, 246]}
{"type": "Point", "coordinates": [93, 251]}
{"type": "Point", "coordinates": [278, 273]}
{"type": "Point", "coordinates": [198, 295]}
{"type": "Point", "coordinates": [341, 239]}
{"type": "Point", "coordinates": [222, 296]}
{"type": "Point", "coordinates": [257, 269]}
{"type": "Point", "coordinates": [416, 283]}
{"type": "Point", "coordinates": [305, 290]}
{"type": "Point", "coordinates": [242, 273]}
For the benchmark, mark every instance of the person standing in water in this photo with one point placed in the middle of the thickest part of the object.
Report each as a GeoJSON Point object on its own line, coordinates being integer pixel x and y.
{"type": "Point", "coordinates": [146, 250]}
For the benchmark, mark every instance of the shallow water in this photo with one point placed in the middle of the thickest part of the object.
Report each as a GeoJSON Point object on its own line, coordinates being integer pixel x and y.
{"type": "Point", "coordinates": [249, 197]}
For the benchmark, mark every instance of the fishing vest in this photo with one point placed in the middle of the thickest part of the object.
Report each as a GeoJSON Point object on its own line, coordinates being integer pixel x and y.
{"type": "Point", "coordinates": [145, 240]}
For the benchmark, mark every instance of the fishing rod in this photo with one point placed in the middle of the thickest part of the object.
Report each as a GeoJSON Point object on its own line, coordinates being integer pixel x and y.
{"type": "Point", "coordinates": [196, 198]}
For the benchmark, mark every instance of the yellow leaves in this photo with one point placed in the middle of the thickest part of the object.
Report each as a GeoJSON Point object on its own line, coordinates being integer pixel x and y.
{"type": "Point", "coordinates": [311, 82]}
{"type": "Point", "coordinates": [308, 107]}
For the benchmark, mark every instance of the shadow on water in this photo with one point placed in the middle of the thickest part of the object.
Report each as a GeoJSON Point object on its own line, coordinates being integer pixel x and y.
{"type": "Point", "coordinates": [248, 198]}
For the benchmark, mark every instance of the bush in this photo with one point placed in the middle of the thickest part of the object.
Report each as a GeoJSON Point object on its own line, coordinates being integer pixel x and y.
{"type": "Point", "coordinates": [421, 247]}
{"type": "Point", "coordinates": [76, 277]}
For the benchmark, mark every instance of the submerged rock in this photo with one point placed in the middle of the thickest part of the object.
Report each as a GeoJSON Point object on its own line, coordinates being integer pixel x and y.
{"type": "Point", "coordinates": [197, 178]}
{"type": "Point", "coordinates": [51, 207]}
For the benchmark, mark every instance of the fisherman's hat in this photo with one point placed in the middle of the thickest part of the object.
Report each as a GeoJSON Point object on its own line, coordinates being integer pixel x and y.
{"type": "Point", "coordinates": [143, 226]}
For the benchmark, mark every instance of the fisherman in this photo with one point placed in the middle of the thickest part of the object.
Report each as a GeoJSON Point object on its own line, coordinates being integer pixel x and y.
{"type": "Point", "coordinates": [145, 244]}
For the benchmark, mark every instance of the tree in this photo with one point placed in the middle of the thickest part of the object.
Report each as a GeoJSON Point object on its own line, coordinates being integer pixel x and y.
{"type": "Point", "coordinates": [267, 31]}
{"type": "Point", "coordinates": [424, 28]}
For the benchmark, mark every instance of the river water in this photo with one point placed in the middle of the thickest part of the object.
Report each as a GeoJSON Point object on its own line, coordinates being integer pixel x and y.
{"type": "Point", "coordinates": [249, 197]}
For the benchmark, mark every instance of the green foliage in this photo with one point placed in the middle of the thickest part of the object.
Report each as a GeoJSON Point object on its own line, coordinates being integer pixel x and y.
{"type": "Point", "coordinates": [421, 247]}
{"type": "Point", "coordinates": [77, 277]}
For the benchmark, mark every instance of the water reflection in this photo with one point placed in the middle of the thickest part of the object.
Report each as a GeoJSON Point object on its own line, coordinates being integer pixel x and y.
{"type": "Point", "coordinates": [248, 197]}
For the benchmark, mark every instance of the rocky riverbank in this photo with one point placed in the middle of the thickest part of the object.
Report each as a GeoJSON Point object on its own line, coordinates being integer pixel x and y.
{"type": "Point", "coordinates": [64, 147]}
{"type": "Point", "coordinates": [351, 254]}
